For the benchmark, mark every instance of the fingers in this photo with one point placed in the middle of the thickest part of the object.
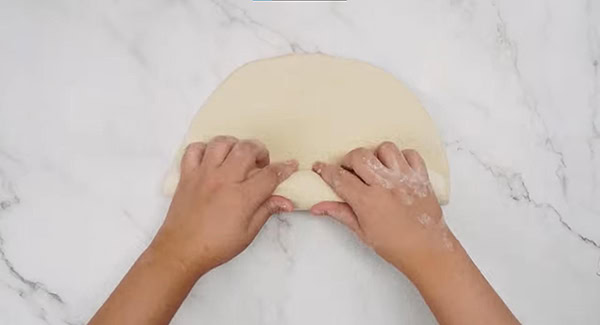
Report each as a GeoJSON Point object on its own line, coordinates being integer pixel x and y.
{"type": "Point", "coordinates": [389, 154]}
{"type": "Point", "coordinates": [274, 204]}
{"type": "Point", "coordinates": [262, 183]}
{"type": "Point", "coordinates": [364, 163]}
{"type": "Point", "coordinates": [217, 150]}
{"type": "Point", "coordinates": [245, 156]}
{"type": "Point", "coordinates": [415, 161]}
{"type": "Point", "coordinates": [192, 156]}
{"type": "Point", "coordinates": [339, 211]}
{"type": "Point", "coordinates": [348, 186]}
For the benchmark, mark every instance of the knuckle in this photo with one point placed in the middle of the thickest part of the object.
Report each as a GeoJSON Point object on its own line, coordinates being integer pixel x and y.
{"type": "Point", "coordinates": [366, 157]}
{"type": "Point", "coordinates": [358, 155]}
{"type": "Point", "coordinates": [246, 146]}
{"type": "Point", "coordinates": [194, 146]}
{"type": "Point", "coordinates": [388, 146]}
{"type": "Point", "coordinates": [363, 150]}
{"type": "Point", "coordinates": [223, 139]}
{"type": "Point", "coordinates": [219, 138]}
{"type": "Point", "coordinates": [257, 143]}
{"type": "Point", "coordinates": [360, 151]}
{"type": "Point", "coordinates": [411, 152]}
{"type": "Point", "coordinates": [188, 148]}
{"type": "Point", "coordinates": [186, 153]}
{"type": "Point", "coordinates": [191, 153]}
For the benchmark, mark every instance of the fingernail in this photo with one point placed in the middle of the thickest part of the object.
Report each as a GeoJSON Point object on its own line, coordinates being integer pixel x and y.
{"type": "Point", "coordinates": [318, 167]}
{"type": "Point", "coordinates": [283, 207]}
{"type": "Point", "coordinates": [276, 209]}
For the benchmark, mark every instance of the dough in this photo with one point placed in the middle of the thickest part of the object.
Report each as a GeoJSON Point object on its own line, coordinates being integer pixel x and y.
{"type": "Point", "coordinates": [317, 107]}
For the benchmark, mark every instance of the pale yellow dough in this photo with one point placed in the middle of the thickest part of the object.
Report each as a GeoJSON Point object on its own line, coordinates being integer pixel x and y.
{"type": "Point", "coordinates": [317, 107]}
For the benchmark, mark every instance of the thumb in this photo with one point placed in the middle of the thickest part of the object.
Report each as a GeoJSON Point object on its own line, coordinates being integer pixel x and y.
{"type": "Point", "coordinates": [274, 204]}
{"type": "Point", "coordinates": [340, 211]}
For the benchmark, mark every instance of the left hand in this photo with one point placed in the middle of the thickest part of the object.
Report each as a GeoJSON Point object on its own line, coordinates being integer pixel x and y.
{"type": "Point", "coordinates": [223, 199]}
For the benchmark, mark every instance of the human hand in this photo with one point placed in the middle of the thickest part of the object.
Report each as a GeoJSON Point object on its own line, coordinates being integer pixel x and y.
{"type": "Point", "coordinates": [223, 198]}
{"type": "Point", "coordinates": [389, 204]}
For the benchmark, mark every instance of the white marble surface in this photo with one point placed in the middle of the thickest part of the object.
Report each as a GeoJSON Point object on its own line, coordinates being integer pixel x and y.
{"type": "Point", "coordinates": [95, 97]}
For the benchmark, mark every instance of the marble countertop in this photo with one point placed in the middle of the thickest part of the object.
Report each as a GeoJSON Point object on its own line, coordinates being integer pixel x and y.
{"type": "Point", "coordinates": [95, 97]}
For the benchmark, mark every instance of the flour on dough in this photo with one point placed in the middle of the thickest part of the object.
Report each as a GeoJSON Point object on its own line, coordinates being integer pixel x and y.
{"type": "Point", "coordinates": [317, 107]}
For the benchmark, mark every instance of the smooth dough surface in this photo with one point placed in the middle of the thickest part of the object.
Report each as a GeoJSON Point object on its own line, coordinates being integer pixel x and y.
{"type": "Point", "coordinates": [317, 107]}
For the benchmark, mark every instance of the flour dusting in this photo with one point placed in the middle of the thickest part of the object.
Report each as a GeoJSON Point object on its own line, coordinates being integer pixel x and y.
{"type": "Point", "coordinates": [446, 235]}
{"type": "Point", "coordinates": [424, 219]}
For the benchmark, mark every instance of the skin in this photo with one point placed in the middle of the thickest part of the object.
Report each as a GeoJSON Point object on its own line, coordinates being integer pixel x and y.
{"type": "Point", "coordinates": [226, 195]}
{"type": "Point", "coordinates": [391, 207]}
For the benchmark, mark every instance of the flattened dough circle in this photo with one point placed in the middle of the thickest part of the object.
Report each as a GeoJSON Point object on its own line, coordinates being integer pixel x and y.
{"type": "Point", "coordinates": [317, 107]}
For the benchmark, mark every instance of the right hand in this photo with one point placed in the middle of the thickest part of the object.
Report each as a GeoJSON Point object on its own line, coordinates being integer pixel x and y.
{"type": "Point", "coordinates": [389, 204]}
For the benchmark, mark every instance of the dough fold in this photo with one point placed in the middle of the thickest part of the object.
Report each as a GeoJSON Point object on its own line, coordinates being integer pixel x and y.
{"type": "Point", "coordinates": [317, 107]}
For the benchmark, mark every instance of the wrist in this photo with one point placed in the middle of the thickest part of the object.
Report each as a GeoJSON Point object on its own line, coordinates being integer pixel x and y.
{"type": "Point", "coordinates": [436, 254]}
{"type": "Point", "coordinates": [171, 257]}
{"type": "Point", "coordinates": [438, 267]}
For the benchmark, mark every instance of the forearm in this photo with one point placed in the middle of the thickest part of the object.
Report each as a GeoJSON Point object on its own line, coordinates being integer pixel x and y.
{"type": "Point", "coordinates": [150, 293]}
{"type": "Point", "coordinates": [457, 293]}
